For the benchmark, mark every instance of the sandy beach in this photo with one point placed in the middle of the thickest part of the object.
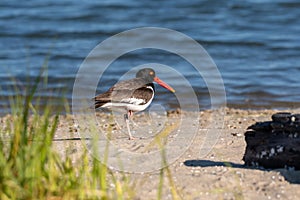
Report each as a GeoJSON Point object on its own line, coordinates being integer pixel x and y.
{"type": "Point", "coordinates": [220, 174]}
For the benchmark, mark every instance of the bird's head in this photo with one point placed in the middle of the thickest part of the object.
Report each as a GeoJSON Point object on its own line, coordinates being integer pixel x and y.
{"type": "Point", "coordinates": [149, 75]}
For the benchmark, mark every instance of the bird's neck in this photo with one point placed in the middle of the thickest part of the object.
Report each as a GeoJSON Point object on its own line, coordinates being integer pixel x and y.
{"type": "Point", "coordinates": [151, 85]}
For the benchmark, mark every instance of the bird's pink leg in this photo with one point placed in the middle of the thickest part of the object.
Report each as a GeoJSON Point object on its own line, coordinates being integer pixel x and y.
{"type": "Point", "coordinates": [130, 112]}
{"type": "Point", "coordinates": [126, 117]}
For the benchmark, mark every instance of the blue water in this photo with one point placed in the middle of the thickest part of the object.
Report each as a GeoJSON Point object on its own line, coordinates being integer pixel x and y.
{"type": "Point", "coordinates": [255, 44]}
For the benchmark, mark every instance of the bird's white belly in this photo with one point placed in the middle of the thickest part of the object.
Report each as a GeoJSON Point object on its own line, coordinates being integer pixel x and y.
{"type": "Point", "coordinates": [137, 108]}
{"type": "Point", "coordinates": [130, 105]}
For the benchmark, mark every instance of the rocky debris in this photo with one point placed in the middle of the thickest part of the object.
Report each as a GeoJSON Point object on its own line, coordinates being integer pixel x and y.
{"type": "Point", "coordinates": [274, 144]}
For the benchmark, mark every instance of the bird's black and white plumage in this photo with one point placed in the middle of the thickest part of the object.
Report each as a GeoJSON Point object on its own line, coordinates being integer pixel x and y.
{"type": "Point", "coordinates": [132, 95]}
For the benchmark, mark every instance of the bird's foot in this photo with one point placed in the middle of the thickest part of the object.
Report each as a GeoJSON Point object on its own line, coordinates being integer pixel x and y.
{"type": "Point", "coordinates": [132, 138]}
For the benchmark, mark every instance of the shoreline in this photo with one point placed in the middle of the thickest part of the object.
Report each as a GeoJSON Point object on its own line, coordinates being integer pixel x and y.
{"type": "Point", "coordinates": [243, 107]}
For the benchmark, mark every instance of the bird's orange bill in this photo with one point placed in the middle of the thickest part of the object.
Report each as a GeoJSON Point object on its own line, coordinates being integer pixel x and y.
{"type": "Point", "coordinates": [163, 84]}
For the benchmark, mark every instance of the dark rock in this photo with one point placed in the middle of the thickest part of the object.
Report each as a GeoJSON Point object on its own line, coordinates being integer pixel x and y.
{"type": "Point", "coordinates": [283, 117]}
{"type": "Point", "coordinates": [261, 126]}
{"type": "Point", "coordinates": [274, 144]}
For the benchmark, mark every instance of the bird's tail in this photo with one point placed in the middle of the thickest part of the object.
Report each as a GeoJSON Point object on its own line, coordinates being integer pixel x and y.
{"type": "Point", "coordinates": [100, 102]}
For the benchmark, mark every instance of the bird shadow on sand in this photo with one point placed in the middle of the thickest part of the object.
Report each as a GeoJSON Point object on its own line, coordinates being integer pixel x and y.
{"type": "Point", "coordinates": [290, 175]}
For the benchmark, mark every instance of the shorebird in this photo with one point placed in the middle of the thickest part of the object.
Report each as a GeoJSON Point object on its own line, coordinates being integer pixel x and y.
{"type": "Point", "coordinates": [132, 95]}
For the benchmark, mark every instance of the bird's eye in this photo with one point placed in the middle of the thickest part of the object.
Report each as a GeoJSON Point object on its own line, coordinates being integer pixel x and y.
{"type": "Point", "coordinates": [151, 73]}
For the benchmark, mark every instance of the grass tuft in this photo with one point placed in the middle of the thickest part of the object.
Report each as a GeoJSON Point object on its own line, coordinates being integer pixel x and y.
{"type": "Point", "coordinates": [31, 169]}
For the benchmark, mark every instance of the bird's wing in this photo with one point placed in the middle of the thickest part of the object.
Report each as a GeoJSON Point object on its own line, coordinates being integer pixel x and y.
{"type": "Point", "coordinates": [121, 92]}
{"type": "Point", "coordinates": [141, 95]}
{"type": "Point", "coordinates": [135, 95]}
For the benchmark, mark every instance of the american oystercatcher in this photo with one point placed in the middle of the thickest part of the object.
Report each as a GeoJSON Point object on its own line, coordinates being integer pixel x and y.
{"type": "Point", "coordinates": [132, 95]}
